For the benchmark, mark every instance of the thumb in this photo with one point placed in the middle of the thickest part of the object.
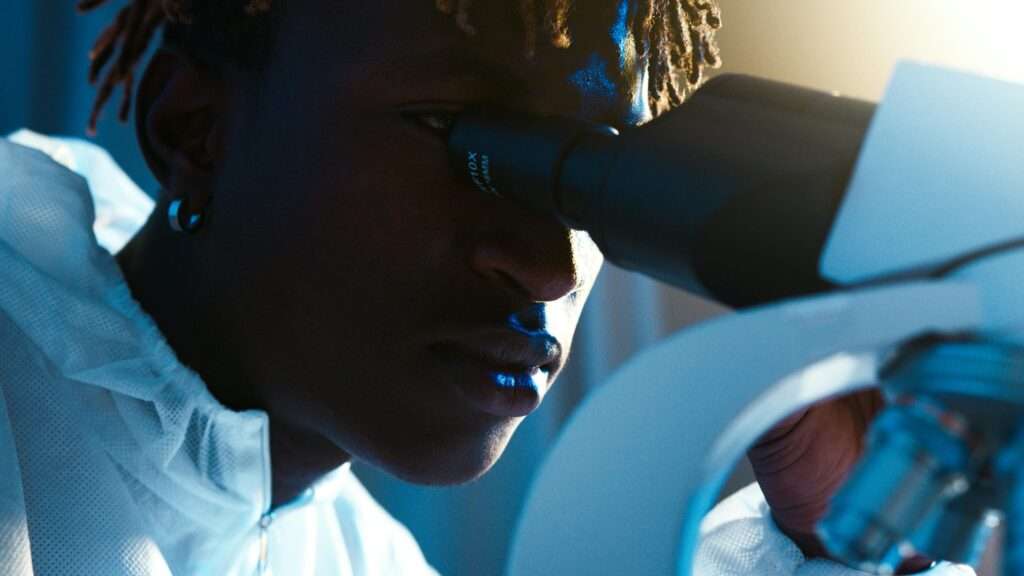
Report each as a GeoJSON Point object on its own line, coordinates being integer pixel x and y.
{"type": "Point", "coordinates": [804, 460]}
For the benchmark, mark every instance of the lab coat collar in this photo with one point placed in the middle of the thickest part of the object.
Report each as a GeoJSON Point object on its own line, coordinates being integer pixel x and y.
{"type": "Point", "coordinates": [200, 471]}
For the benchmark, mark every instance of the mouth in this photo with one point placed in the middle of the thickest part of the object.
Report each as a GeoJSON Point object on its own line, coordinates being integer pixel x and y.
{"type": "Point", "coordinates": [502, 372]}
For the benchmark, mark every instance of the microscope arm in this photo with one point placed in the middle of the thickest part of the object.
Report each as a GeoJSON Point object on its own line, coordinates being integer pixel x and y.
{"type": "Point", "coordinates": [639, 463]}
{"type": "Point", "coordinates": [731, 195]}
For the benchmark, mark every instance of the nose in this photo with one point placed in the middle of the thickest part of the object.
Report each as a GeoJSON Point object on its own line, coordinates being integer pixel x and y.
{"type": "Point", "coordinates": [533, 258]}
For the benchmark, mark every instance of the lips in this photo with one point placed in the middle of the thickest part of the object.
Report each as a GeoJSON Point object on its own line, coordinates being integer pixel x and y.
{"type": "Point", "coordinates": [508, 349]}
{"type": "Point", "coordinates": [503, 372]}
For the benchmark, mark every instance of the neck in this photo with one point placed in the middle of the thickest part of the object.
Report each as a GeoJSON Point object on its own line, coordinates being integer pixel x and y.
{"type": "Point", "coordinates": [160, 269]}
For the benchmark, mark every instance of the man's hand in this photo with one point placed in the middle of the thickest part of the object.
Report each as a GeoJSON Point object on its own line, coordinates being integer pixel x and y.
{"type": "Point", "coordinates": [802, 462]}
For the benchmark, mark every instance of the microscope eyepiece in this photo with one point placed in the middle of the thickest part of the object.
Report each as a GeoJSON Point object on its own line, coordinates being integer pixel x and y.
{"type": "Point", "coordinates": [731, 195]}
{"type": "Point", "coordinates": [521, 157]}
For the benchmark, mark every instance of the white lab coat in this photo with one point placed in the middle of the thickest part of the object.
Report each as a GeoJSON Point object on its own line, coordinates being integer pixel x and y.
{"type": "Point", "coordinates": [739, 538]}
{"type": "Point", "coordinates": [116, 459]}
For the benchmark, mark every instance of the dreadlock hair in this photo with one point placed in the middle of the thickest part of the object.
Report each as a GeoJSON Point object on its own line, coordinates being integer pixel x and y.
{"type": "Point", "coordinates": [677, 37]}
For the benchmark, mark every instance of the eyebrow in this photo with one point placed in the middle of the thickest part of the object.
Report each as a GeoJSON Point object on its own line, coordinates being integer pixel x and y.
{"type": "Point", "coordinates": [508, 87]}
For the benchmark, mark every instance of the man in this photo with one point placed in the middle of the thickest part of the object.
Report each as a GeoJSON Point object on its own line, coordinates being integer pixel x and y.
{"type": "Point", "coordinates": [332, 289]}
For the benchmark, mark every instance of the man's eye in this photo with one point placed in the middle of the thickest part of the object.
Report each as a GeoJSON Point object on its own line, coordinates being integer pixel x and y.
{"type": "Point", "coordinates": [437, 121]}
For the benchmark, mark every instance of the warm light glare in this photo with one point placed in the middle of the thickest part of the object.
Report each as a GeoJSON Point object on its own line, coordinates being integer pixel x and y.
{"type": "Point", "coordinates": [852, 45]}
{"type": "Point", "coordinates": [997, 48]}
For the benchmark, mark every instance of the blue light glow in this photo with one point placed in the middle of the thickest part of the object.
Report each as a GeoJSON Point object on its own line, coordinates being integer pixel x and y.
{"type": "Point", "coordinates": [620, 32]}
{"type": "Point", "coordinates": [592, 80]}
{"type": "Point", "coordinates": [506, 381]}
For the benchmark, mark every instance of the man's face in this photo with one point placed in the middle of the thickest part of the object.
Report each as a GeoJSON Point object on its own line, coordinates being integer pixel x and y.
{"type": "Point", "coordinates": [366, 276]}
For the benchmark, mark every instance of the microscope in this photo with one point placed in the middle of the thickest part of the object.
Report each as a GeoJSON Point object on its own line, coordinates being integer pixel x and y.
{"type": "Point", "coordinates": [862, 244]}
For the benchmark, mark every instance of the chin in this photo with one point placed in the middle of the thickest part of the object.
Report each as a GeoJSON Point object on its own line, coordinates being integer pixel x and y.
{"type": "Point", "coordinates": [449, 463]}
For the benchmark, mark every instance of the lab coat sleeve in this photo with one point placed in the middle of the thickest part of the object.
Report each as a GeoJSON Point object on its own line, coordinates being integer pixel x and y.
{"type": "Point", "coordinates": [739, 538]}
{"type": "Point", "coordinates": [15, 553]}
{"type": "Point", "coordinates": [50, 279]}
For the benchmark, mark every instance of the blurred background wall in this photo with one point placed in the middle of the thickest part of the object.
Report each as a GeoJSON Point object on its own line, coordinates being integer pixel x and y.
{"type": "Point", "coordinates": [44, 47]}
{"type": "Point", "coordinates": [844, 45]}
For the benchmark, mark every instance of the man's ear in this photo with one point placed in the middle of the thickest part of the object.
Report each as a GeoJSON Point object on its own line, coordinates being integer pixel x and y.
{"type": "Point", "coordinates": [179, 124]}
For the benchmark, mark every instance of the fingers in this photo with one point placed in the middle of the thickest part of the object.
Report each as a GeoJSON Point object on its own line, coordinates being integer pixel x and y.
{"type": "Point", "coordinates": [804, 460]}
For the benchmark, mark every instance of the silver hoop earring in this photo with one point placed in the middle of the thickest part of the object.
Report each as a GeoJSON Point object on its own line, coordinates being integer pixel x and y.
{"type": "Point", "coordinates": [174, 217]}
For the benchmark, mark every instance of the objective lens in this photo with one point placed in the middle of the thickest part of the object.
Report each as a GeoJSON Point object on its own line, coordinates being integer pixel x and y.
{"type": "Point", "coordinates": [914, 463]}
{"type": "Point", "coordinates": [961, 529]}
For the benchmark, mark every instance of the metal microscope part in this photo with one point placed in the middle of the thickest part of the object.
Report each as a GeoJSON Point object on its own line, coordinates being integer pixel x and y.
{"type": "Point", "coordinates": [1010, 465]}
{"type": "Point", "coordinates": [912, 463]}
{"type": "Point", "coordinates": [1013, 547]}
{"type": "Point", "coordinates": [959, 531]}
{"type": "Point", "coordinates": [922, 484]}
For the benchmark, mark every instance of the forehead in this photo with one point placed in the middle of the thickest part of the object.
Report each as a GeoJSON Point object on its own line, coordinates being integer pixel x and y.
{"type": "Point", "coordinates": [396, 45]}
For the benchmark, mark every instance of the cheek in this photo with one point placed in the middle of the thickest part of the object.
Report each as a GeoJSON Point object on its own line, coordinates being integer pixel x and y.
{"type": "Point", "coordinates": [332, 205]}
{"type": "Point", "coordinates": [348, 177]}
{"type": "Point", "coordinates": [377, 197]}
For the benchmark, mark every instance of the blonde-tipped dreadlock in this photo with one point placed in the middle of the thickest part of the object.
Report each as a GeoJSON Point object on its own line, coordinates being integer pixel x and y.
{"type": "Point", "coordinates": [677, 38]}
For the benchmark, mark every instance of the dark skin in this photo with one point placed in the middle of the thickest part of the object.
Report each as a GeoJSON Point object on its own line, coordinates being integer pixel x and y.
{"type": "Point", "coordinates": [340, 247]}
{"type": "Point", "coordinates": [815, 447]}
{"type": "Point", "coordinates": [806, 458]}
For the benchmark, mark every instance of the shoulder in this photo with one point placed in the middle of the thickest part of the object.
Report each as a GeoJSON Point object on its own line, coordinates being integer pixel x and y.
{"type": "Point", "coordinates": [45, 212]}
{"type": "Point", "coordinates": [30, 172]}
{"type": "Point", "coordinates": [25, 153]}
{"type": "Point", "coordinates": [383, 544]}
{"type": "Point", "coordinates": [65, 206]}
{"type": "Point", "coordinates": [76, 177]}
{"type": "Point", "coordinates": [38, 191]}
